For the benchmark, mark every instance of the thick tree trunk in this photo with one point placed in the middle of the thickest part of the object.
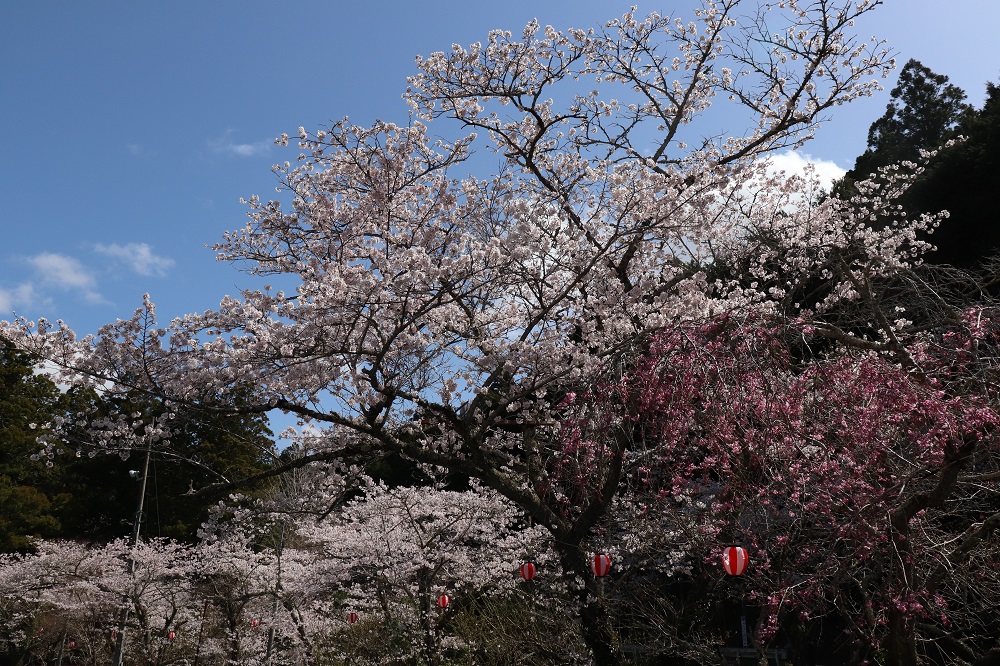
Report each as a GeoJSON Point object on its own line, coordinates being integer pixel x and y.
{"type": "Point", "coordinates": [300, 626]}
{"type": "Point", "coordinates": [600, 634]}
{"type": "Point", "coordinates": [598, 631]}
{"type": "Point", "coordinates": [900, 644]}
{"type": "Point", "coordinates": [901, 648]}
{"type": "Point", "coordinates": [427, 625]}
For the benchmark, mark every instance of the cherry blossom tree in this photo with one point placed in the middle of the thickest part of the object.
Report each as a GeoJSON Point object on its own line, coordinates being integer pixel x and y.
{"type": "Point", "coordinates": [211, 603]}
{"type": "Point", "coordinates": [453, 320]}
{"type": "Point", "coordinates": [235, 584]}
{"type": "Point", "coordinates": [391, 553]}
{"type": "Point", "coordinates": [386, 556]}
{"type": "Point", "coordinates": [78, 590]}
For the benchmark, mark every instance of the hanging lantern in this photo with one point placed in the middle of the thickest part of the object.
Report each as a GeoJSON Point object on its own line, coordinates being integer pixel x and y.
{"type": "Point", "coordinates": [734, 560]}
{"type": "Point", "coordinates": [172, 635]}
{"type": "Point", "coordinates": [114, 635]}
{"type": "Point", "coordinates": [443, 601]}
{"type": "Point", "coordinates": [352, 617]}
{"type": "Point", "coordinates": [71, 644]}
{"type": "Point", "coordinates": [254, 623]}
{"type": "Point", "coordinates": [600, 565]}
{"type": "Point", "coordinates": [528, 570]}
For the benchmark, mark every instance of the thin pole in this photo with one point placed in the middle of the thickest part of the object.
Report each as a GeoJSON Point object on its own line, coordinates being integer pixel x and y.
{"type": "Point", "coordinates": [136, 526]}
{"type": "Point", "coordinates": [277, 591]}
{"type": "Point", "coordinates": [201, 632]}
{"type": "Point", "coordinates": [743, 625]}
{"type": "Point", "coordinates": [62, 647]}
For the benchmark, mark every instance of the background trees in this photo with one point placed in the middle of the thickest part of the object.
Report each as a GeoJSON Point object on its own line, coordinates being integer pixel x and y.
{"type": "Point", "coordinates": [925, 113]}
{"type": "Point", "coordinates": [33, 490]}
{"type": "Point", "coordinates": [74, 490]}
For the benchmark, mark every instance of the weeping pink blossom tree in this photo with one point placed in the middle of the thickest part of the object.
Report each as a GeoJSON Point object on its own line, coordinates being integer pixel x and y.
{"type": "Point", "coordinates": [453, 319]}
{"type": "Point", "coordinates": [862, 489]}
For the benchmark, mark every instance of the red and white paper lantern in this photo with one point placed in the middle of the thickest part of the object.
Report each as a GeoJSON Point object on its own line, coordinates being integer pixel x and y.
{"type": "Point", "coordinates": [734, 560]}
{"type": "Point", "coordinates": [352, 617]}
{"type": "Point", "coordinates": [528, 570]}
{"type": "Point", "coordinates": [443, 601]}
{"type": "Point", "coordinates": [600, 565]}
{"type": "Point", "coordinates": [172, 635]}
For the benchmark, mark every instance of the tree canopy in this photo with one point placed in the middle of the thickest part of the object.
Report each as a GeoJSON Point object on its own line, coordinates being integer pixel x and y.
{"type": "Point", "coordinates": [605, 339]}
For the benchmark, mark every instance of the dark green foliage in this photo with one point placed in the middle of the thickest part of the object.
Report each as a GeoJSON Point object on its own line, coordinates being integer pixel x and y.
{"type": "Point", "coordinates": [925, 112]}
{"type": "Point", "coordinates": [208, 447]}
{"type": "Point", "coordinates": [30, 490]}
{"type": "Point", "coordinates": [88, 494]}
{"type": "Point", "coordinates": [965, 180]}
{"type": "Point", "coordinates": [26, 511]}
{"type": "Point", "coordinates": [214, 447]}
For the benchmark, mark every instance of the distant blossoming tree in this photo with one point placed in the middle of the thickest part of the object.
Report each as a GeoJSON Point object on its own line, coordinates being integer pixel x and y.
{"type": "Point", "coordinates": [75, 592]}
{"type": "Point", "coordinates": [392, 553]}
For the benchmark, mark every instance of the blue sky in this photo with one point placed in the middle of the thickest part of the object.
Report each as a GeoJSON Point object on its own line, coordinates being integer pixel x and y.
{"type": "Point", "coordinates": [132, 129]}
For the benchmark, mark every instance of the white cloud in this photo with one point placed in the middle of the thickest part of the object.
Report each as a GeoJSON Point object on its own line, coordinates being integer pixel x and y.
{"type": "Point", "coordinates": [138, 256]}
{"type": "Point", "coordinates": [792, 162]}
{"type": "Point", "coordinates": [51, 270]}
{"type": "Point", "coordinates": [58, 270]}
{"type": "Point", "coordinates": [62, 271]}
{"type": "Point", "coordinates": [22, 295]}
{"type": "Point", "coordinates": [225, 145]}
